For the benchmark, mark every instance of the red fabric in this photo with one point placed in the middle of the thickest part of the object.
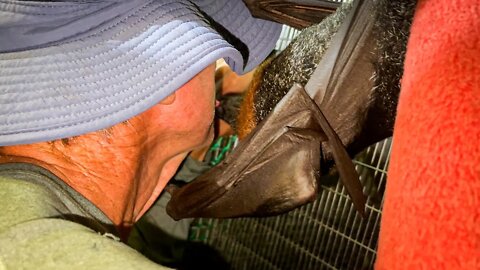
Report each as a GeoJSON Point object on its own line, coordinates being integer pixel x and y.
{"type": "Point", "coordinates": [432, 202]}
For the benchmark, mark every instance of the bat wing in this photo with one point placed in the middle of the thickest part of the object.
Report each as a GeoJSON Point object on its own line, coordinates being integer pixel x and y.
{"type": "Point", "coordinates": [346, 86]}
{"type": "Point", "coordinates": [274, 170]}
{"type": "Point", "coordinates": [296, 13]}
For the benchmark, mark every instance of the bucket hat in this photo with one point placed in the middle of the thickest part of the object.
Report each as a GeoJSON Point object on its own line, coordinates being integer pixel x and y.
{"type": "Point", "coordinates": [72, 67]}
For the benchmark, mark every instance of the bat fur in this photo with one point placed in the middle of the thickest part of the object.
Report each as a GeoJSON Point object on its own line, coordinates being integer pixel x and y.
{"type": "Point", "coordinates": [298, 61]}
{"type": "Point", "coordinates": [359, 104]}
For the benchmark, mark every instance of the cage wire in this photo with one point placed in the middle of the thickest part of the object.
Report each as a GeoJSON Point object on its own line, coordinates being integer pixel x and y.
{"type": "Point", "coordinates": [325, 234]}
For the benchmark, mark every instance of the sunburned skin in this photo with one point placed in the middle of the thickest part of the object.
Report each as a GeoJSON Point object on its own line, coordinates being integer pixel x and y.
{"type": "Point", "coordinates": [123, 169]}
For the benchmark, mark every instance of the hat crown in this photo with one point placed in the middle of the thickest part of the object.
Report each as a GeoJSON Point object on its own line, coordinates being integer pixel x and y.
{"type": "Point", "coordinates": [69, 68]}
{"type": "Point", "coordinates": [34, 24]}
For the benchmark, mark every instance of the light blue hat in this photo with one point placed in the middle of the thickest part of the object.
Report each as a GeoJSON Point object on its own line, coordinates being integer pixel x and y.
{"type": "Point", "coordinates": [72, 67]}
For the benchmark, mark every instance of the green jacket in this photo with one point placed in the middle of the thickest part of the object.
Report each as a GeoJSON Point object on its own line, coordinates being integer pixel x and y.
{"type": "Point", "coordinates": [45, 224]}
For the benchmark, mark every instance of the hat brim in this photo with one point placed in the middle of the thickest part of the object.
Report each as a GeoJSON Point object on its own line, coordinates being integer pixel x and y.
{"type": "Point", "coordinates": [123, 66]}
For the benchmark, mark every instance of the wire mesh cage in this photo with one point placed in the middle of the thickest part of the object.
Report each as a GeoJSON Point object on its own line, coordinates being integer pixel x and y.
{"type": "Point", "coordinates": [325, 234]}
{"type": "Point", "coordinates": [286, 36]}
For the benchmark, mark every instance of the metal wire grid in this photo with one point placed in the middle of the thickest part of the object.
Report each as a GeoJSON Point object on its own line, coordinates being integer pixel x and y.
{"type": "Point", "coordinates": [286, 36]}
{"type": "Point", "coordinates": [326, 234]}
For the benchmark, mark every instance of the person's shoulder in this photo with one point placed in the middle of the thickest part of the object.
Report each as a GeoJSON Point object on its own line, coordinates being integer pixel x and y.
{"type": "Point", "coordinates": [35, 235]}
{"type": "Point", "coordinates": [22, 201]}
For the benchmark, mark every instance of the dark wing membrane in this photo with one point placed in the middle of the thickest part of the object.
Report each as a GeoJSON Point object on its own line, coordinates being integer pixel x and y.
{"type": "Point", "coordinates": [295, 13]}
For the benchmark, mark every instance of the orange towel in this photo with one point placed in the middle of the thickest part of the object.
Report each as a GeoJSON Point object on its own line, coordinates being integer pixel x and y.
{"type": "Point", "coordinates": [432, 204]}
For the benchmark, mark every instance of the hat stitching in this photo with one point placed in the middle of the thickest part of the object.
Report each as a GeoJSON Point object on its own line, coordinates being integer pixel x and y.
{"type": "Point", "coordinates": [262, 44]}
{"type": "Point", "coordinates": [123, 30]}
{"type": "Point", "coordinates": [105, 63]}
{"type": "Point", "coordinates": [104, 106]}
{"type": "Point", "coordinates": [96, 109]}
{"type": "Point", "coordinates": [259, 44]}
{"type": "Point", "coordinates": [221, 15]}
{"type": "Point", "coordinates": [229, 37]}
{"type": "Point", "coordinates": [247, 35]}
{"type": "Point", "coordinates": [235, 22]}
{"type": "Point", "coordinates": [116, 75]}
{"type": "Point", "coordinates": [92, 84]}
{"type": "Point", "coordinates": [116, 67]}
{"type": "Point", "coordinates": [134, 23]}
{"type": "Point", "coordinates": [208, 2]}
{"type": "Point", "coordinates": [215, 50]}
{"type": "Point", "coordinates": [114, 25]}
{"type": "Point", "coordinates": [98, 33]}
{"type": "Point", "coordinates": [64, 39]}
{"type": "Point", "coordinates": [139, 10]}
{"type": "Point", "coordinates": [81, 50]}
{"type": "Point", "coordinates": [44, 14]}
{"type": "Point", "coordinates": [39, 5]}
{"type": "Point", "coordinates": [239, 20]}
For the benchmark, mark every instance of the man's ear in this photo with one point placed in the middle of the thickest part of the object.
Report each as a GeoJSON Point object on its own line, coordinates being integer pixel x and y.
{"type": "Point", "coordinates": [168, 100]}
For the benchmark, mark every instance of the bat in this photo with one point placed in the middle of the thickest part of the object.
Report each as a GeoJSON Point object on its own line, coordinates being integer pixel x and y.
{"type": "Point", "coordinates": [285, 147]}
{"type": "Point", "coordinates": [277, 167]}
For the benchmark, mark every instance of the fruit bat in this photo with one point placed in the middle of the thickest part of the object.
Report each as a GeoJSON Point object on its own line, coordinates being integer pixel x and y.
{"type": "Point", "coordinates": [273, 169]}
{"type": "Point", "coordinates": [276, 168]}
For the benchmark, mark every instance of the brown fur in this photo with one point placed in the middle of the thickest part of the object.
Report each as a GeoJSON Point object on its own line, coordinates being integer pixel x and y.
{"type": "Point", "coordinates": [246, 119]}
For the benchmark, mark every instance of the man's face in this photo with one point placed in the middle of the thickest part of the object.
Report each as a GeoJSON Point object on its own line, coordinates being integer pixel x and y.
{"type": "Point", "coordinates": [185, 118]}
{"type": "Point", "coordinates": [174, 127]}
{"type": "Point", "coordinates": [124, 168]}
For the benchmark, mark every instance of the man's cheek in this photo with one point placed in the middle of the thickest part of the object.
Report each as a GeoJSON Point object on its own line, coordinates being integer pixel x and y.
{"type": "Point", "coordinates": [210, 135]}
{"type": "Point", "coordinates": [203, 120]}
{"type": "Point", "coordinates": [204, 136]}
